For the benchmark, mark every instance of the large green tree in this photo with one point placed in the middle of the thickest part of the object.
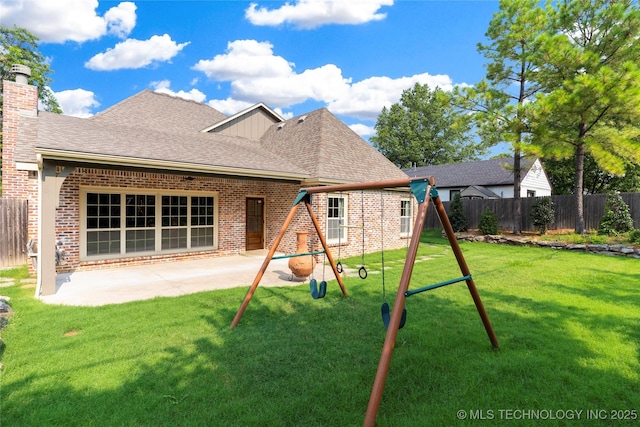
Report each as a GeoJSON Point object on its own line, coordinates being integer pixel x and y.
{"type": "Point", "coordinates": [425, 128]}
{"type": "Point", "coordinates": [19, 46]}
{"type": "Point", "coordinates": [561, 173]}
{"type": "Point", "coordinates": [588, 65]}
{"type": "Point", "coordinates": [501, 100]}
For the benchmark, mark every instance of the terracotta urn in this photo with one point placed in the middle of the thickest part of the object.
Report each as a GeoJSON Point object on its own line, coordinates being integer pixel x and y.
{"type": "Point", "coordinates": [302, 266]}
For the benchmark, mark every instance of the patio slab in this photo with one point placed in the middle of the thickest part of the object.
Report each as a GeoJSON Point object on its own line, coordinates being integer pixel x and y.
{"type": "Point", "coordinates": [168, 279]}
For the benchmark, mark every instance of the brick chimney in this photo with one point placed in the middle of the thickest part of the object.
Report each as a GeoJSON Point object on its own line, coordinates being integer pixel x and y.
{"type": "Point", "coordinates": [20, 99]}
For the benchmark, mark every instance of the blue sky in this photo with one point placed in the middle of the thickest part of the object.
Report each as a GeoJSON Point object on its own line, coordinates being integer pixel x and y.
{"type": "Point", "coordinates": [351, 56]}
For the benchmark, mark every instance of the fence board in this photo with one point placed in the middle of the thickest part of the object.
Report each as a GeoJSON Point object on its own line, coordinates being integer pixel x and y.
{"type": "Point", "coordinates": [565, 208]}
{"type": "Point", "coordinates": [13, 232]}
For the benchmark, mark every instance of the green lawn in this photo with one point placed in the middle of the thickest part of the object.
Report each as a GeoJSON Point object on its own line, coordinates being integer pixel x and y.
{"type": "Point", "coordinates": [568, 325]}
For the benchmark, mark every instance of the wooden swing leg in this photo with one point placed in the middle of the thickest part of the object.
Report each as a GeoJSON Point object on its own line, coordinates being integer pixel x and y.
{"type": "Point", "coordinates": [396, 317]}
{"type": "Point", "coordinates": [453, 241]}
{"type": "Point", "coordinates": [325, 248]}
{"type": "Point", "coordinates": [264, 266]}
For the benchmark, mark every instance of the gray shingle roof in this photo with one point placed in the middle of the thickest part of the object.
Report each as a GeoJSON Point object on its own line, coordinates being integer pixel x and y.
{"type": "Point", "coordinates": [152, 110]}
{"type": "Point", "coordinates": [151, 128]}
{"type": "Point", "coordinates": [328, 149]}
{"type": "Point", "coordinates": [482, 173]}
{"type": "Point", "coordinates": [86, 138]}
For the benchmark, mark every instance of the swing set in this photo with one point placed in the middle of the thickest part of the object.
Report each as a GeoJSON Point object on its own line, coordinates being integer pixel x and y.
{"type": "Point", "coordinates": [423, 189]}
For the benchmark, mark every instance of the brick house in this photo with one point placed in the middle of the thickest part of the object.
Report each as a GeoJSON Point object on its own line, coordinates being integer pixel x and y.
{"type": "Point", "coordinates": [157, 178]}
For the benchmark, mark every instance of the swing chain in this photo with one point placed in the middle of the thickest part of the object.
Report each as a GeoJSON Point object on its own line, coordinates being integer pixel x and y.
{"type": "Point", "coordinates": [362, 272]}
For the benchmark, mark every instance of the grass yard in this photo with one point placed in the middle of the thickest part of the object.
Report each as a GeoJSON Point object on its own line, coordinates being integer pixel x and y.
{"type": "Point", "coordinates": [568, 325]}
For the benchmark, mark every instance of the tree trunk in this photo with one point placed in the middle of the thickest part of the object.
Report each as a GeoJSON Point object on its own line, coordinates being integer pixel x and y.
{"type": "Point", "coordinates": [517, 202]}
{"type": "Point", "coordinates": [579, 188]}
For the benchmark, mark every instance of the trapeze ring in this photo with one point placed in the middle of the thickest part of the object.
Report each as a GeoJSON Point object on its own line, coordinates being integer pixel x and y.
{"type": "Point", "coordinates": [339, 267]}
{"type": "Point", "coordinates": [362, 272]}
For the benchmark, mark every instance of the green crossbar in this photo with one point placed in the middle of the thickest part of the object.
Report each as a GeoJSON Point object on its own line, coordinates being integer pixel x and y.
{"type": "Point", "coordinates": [437, 285]}
{"type": "Point", "coordinates": [295, 255]}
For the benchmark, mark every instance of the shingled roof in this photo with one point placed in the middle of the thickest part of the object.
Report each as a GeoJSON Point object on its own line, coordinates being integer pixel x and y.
{"type": "Point", "coordinates": [159, 131]}
{"type": "Point", "coordinates": [328, 149]}
{"type": "Point", "coordinates": [152, 110]}
{"type": "Point", "coordinates": [482, 173]}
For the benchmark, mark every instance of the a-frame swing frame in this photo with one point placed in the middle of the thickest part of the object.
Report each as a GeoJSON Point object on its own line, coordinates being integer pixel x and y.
{"type": "Point", "coordinates": [423, 190]}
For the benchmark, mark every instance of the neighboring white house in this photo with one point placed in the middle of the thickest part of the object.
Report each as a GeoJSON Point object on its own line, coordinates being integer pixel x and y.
{"type": "Point", "coordinates": [486, 179]}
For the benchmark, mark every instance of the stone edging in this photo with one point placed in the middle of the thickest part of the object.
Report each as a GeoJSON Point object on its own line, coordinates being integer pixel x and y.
{"type": "Point", "coordinates": [602, 249]}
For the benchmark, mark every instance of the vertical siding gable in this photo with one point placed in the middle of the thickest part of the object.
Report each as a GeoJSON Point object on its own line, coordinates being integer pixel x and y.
{"type": "Point", "coordinates": [536, 179]}
{"type": "Point", "coordinates": [251, 125]}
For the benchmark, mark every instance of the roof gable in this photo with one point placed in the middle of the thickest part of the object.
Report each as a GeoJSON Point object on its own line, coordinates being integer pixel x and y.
{"type": "Point", "coordinates": [152, 110]}
{"type": "Point", "coordinates": [250, 123]}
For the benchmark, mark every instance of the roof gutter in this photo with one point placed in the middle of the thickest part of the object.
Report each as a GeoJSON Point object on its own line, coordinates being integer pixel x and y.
{"type": "Point", "coordinates": [74, 156]}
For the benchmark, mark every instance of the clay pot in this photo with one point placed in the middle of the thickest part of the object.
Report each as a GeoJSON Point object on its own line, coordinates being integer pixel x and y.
{"type": "Point", "coordinates": [302, 266]}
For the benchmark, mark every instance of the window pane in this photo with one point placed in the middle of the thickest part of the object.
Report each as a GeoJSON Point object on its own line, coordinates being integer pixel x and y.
{"type": "Point", "coordinates": [103, 211]}
{"type": "Point", "coordinates": [201, 211]}
{"type": "Point", "coordinates": [140, 210]}
{"type": "Point", "coordinates": [201, 237]}
{"type": "Point", "coordinates": [174, 211]}
{"type": "Point", "coordinates": [406, 216]}
{"type": "Point", "coordinates": [174, 238]}
{"type": "Point", "coordinates": [335, 218]}
{"type": "Point", "coordinates": [140, 240]}
{"type": "Point", "coordinates": [103, 242]}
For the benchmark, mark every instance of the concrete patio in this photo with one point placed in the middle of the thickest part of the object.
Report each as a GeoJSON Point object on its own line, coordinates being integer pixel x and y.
{"type": "Point", "coordinates": [124, 284]}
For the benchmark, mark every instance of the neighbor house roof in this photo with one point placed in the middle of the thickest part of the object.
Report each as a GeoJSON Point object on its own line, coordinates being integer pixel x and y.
{"type": "Point", "coordinates": [478, 190]}
{"type": "Point", "coordinates": [154, 130]}
{"type": "Point", "coordinates": [481, 173]}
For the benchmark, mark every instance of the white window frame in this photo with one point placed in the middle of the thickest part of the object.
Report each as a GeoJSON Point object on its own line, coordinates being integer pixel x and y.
{"type": "Point", "coordinates": [343, 222]}
{"type": "Point", "coordinates": [157, 227]}
{"type": "Point", "coordinates": [408, 218]}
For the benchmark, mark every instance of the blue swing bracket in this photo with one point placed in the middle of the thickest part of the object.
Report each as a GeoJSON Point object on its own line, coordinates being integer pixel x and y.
{"type": "Point", "coordinates": [437, 285]}
{"type": "Point", "coordinates": [301, 196]}
{"type": "Point", "coordinates": [419, 189]}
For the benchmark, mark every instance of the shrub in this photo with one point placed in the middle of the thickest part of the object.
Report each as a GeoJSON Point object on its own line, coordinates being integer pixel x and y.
{"type": "Point", "coordinates": [488, 223]}
{"type": "Point", "coordinates": [634, 237]}
{"type": "Point", "coordinates": [457, 218]}
{"type": "Point", "coordinates": [543, 213]}
{"type": "Point", "coordinates": [617, 219]}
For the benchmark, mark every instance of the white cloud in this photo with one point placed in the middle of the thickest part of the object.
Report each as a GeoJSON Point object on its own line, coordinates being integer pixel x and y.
{"type": "Point", "coordinates": [57, 21]}
{"type": "Point", "coordinates": [133, 53]}
{"type": "Point", "coordinates": [257, 75]}
{"type": "Point", "coordinates": [307, 14]}
{"type": "Point", "coordinates": [245, 59]}
{"type": "Point", "coordinates": [162, 86]}
{"type": "Point", "coordinates": [362, 129]}
{"type": "Point", "coordinates": [366, 98]}
{"type": "Point", "coordinates": [232, 106]}
{"type": "Point", "coordinates": [121, 19]}
{"type": "Point", "coordinates": [77, 102]}
{"type": "Point", "coordinates": [229, 106]}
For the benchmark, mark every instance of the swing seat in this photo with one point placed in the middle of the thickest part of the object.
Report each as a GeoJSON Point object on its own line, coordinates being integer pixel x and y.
{"type": "Point", "coordinates": [386, 316]}
{"type": "Point", "coordinates": [316, 292]}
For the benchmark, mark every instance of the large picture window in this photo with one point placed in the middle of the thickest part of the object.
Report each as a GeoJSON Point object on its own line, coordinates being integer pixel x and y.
{"type": "Point", "coordinates": [119, 223]}
{"type": "Point", "coordinates": [336, 219]}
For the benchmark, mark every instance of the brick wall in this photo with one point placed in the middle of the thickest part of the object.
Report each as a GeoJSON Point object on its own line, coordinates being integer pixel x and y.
{"type": "Point", "coordinates": [232, 194]}
{"type": "Point", "coordinates": [18, 100]}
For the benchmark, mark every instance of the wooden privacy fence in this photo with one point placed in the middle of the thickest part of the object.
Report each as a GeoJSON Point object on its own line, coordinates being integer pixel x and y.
{"type": "Point", "coordinates": [13, 232]}
{"type": "Point", "coordinates": [564, 206]}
